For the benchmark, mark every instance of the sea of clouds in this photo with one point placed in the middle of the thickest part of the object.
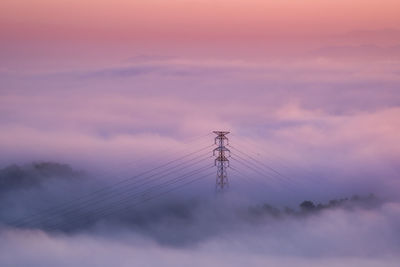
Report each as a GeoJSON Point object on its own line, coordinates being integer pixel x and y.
{"type": "Point", "coordinates": [178, 230]}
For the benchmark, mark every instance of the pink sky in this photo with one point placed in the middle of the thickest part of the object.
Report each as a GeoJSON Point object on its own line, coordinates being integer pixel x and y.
{"type": "Point", "coordinates": [241, 28]}
{"type": "Point", "coordinates": [157, 18]}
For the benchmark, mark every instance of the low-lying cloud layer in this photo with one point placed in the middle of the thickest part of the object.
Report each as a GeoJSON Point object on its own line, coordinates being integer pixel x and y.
{"type": "Point", "coordinates": [176, 230]}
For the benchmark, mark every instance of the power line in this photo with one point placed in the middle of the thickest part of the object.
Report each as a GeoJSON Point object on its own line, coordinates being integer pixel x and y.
{"type": "Point", "coordinates": [166, 192]}
{"type": "Point", "coordinates": [140, 160]}
{"type": "Point", "coordinates": [254, 167]}
{"type": "Point", "coordinates": [112, 192]}
{"type": "Point", "coordinates": [280, 160]}
{"type": "Point", "coordinates": [262, 164]}
{"type": "Point", "coordinates": [250, 166]}
{"type": "Point", "coordinates": [117, 205]}
{"type": "Point", "coordinates": [127, 192]}
{"type": "Point", "coordinates": [244, 176]}
{"type": "Point", "coordinates": [110, 187]}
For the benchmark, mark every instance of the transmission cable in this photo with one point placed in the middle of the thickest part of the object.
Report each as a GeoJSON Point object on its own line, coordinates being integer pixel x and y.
{"type": "Point", "coordinates": [115, 206]}
{"type": "Point", "coordinates": [105, 188]}
{"type": "Point", "coordinates": [113, 192]}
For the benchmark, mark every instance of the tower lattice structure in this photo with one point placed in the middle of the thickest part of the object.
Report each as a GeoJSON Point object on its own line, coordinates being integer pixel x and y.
{"type": "Point", "coordinates": [221, 161]}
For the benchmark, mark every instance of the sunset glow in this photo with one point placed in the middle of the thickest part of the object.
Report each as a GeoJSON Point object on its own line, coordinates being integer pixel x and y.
{"type": "Point", "coordinates": [95, 94]}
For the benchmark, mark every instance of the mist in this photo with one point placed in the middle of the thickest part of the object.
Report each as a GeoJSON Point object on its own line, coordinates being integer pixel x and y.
{"type": "Point", "coordinates": [107, 113]}
{"type": "Point", "coordinates": [181, 228]}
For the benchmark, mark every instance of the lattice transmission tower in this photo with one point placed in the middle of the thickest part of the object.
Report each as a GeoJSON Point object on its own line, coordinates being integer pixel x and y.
{"type": "Point", "coordinates": [221, 161]}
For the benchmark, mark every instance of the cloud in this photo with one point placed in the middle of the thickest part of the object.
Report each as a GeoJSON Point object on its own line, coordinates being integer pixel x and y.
{"type": "Point", "coordinates": [207, 233]}
{"type": "Point", "coordinates": [335, 117]}
{"type": "Point", "coordinates": [362, 52]}
{"type": "Point", "coordinates": [327, 124]}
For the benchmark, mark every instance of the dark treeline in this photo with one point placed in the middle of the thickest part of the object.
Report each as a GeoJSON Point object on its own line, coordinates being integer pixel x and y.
{"type": "Point", "coordinates": [16, 177]}
{"type": "Point", "coordinates": [308, 207]}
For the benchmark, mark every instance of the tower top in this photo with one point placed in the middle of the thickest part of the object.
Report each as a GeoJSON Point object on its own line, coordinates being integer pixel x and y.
{"type": "Point", "coordinates": [221, 132]}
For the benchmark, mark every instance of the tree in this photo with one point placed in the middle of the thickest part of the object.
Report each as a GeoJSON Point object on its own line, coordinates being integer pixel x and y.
{"type": "Point", "coordinates": [307, 205]}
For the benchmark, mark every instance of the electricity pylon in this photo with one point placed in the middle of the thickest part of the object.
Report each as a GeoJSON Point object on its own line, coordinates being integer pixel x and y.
{"type": "Point", "coordinates": [221, 161]}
